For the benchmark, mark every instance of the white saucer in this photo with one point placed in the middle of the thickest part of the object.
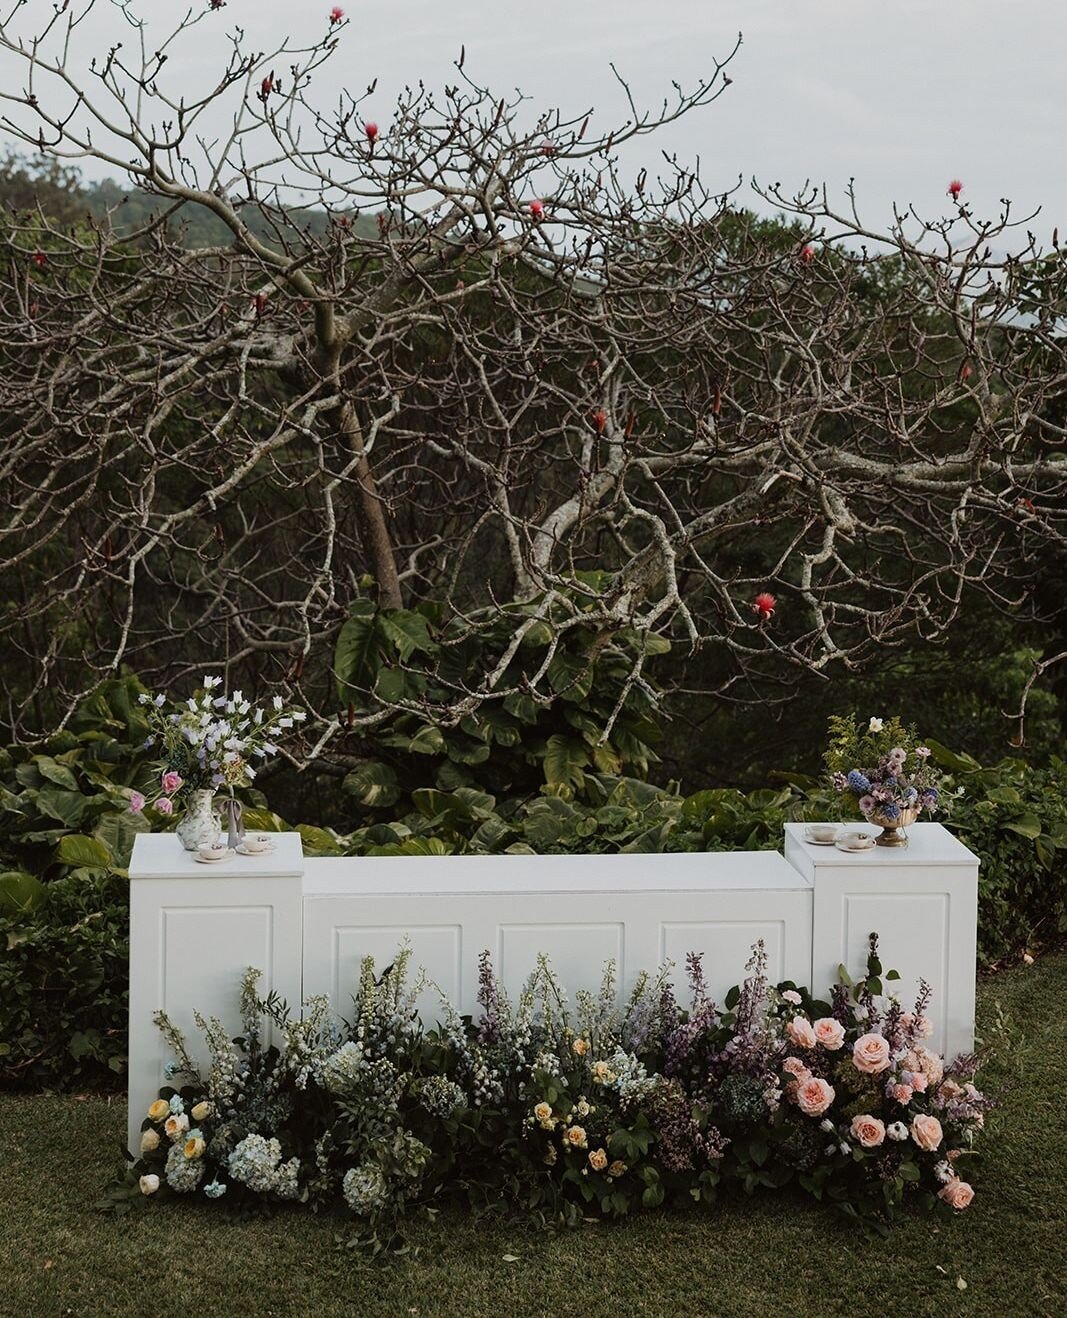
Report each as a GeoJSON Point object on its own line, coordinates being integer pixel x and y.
{"type": "Point", "coordinates": [242, 850]}
{"type": "Point", "coordinates": [820, 841]}
{"type": "Point", "coordinates": [842, 845]}
{"type": "Point", "coordinates": [211, 860]}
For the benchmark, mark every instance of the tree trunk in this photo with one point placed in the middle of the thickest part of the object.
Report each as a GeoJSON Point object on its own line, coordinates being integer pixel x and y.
{"type": "Point", "coordinates": [372, 524]}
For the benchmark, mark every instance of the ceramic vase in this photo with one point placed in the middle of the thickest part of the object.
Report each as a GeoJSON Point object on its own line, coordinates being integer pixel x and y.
{"type": "Point", "coordinates": [199, 826]}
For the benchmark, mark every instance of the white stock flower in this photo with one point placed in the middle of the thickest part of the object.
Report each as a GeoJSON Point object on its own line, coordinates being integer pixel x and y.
{"type": "Point", "coordinates": [149, 1184]}
{"type": "Point", "coordinates": [875, 725]}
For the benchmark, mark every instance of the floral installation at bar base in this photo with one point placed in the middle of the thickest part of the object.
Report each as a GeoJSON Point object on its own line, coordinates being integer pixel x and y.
{"type": "Point", "coordinates": [564, 1111]}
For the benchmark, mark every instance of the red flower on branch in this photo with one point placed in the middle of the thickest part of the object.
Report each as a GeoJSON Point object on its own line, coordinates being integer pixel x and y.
{"type": "Point", "coordinates": [954, 189]}
{"type": "Point", "coordinates": [40, 260]}
{"type": "Point", "coordinates": [537, 210]}
{"type": "Point", "coordinates": [599, 419]}
{"type": "Point", "coordinates": [807, 253]}
{"type": "Point", "coordinates": [266, 87]}
{"type": "Point", "coordinates": [764, 604]}
{"type": "Point", "coordinates": [336, 14]}
{"type": "Point", "coordinates": [371, 130]}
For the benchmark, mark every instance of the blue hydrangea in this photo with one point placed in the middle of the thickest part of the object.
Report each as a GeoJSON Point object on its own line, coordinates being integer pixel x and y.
{"type": "Point", "coordinates": [858, 782]}
{"type": "Point", "coordinates": [256, 1162]}
{"type": "Point", "coordinates": [183, 1174]}
{"type": "Point", "coordinates": [889, 810]}
{"type": "Point", "coordinates": [215, 1189]}
{"type": "Point", "coordinates": [365, 1189]}
{"type": "Point", "coordinates": [177, 1107]}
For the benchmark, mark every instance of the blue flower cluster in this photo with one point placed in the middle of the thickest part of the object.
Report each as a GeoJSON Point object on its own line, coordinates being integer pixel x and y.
{"type": "Point", "coordinates": [858, 782]}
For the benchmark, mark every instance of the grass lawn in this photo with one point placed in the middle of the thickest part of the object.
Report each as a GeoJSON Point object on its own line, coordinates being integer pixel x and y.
{"type": "Point", "coordinates": [751, 1257]}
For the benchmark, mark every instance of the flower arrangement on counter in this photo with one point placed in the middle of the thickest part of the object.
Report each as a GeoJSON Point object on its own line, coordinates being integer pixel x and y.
{"type": "Point", "coordinates": [883, 768]}
{"type": "Point", "coordinates": [565, 1111]}
{"type": "Point", "coordinates": [209, 741]}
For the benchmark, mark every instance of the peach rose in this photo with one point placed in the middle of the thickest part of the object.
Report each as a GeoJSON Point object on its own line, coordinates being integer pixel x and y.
{"type": "Point", "coordinates": [598, 1160]}
{"type": "Point", "coordinates": [581, 1047]}
{"type": "Point", "coordinates": [957, 1194]}
{"type": "Point", "coordinates": [926, 1132]}
{"type": "Point", "coordinates": [159, 1110]}
{"type": "Point", "coordinates": [617, 1168]}
{"type": "Point", "coordinates": [801, 1032]}
{"type": "Point", "coordinates": [830, 1033]}
{"type": "Point", "coordinates": [794, 1066]}
{"type": "Point", "coordinates": [149, 1141]}
{"type": "Point", "coordinates": [870, 1053]}
{"type": "Point", "coordinates": [868, 1130]}
{"type": "Point", "coordinates": [575, 1137]}
{"type": "Point", "coordinates": [176, 1126]}
{"type": "Point", "coordinates": [194, 1148]}
{"type": "Point", "coordinates": [814, 1096]}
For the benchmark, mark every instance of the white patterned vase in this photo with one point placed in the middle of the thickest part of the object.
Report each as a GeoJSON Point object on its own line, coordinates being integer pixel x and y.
{"type": "Point", "coordinates": [199, 825]}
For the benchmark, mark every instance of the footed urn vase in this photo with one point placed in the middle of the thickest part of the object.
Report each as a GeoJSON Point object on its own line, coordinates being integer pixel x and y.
{"type": "Point", "coordinates": [892, 834]}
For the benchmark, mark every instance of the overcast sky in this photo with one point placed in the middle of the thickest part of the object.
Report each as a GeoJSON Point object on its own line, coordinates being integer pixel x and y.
{"type": "Point", "coordinates": [903, 96]}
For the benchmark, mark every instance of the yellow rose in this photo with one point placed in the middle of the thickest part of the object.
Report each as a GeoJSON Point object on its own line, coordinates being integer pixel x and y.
{"type": "Point", "coordinates": [149, 1141]}
{"type": "Point", "coordinates": [202, 1111]}
{"type": "Point", "coordinates": [194, 1148]}
{"type": "Point", "coordinates": [575, 1137]}
{"type": "Point", "coordinates": [581, 1047]}
{"type": "Point", "coordinates": [543, 1111]}
{"type": "Point", "coordinates": [617, 1168]}
{"type": "Point", "coordinates": [602, 1073]}
{"type": "Point", "coordinates": [598, 1160]}
{"type": "Point", "coordinates": [159, 1110]}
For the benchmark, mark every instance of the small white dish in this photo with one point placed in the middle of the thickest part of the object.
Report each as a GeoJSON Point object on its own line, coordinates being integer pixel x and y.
{"type": "Point", "coordinates": [242, 850]}
{"type": "Point", "coordinates": [855, 842]}
{"type": "Point", "coordinates": [820, 841]}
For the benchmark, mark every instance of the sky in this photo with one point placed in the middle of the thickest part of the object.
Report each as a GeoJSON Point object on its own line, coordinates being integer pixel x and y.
{"type": "Point", "coordinates": [901, 96]}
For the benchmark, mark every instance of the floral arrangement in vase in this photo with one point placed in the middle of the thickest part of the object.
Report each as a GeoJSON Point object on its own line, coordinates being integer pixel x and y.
{"type": "Point", "coordinates": [886, 771]}
{"type": "Point", "coordinates": [206, 742]}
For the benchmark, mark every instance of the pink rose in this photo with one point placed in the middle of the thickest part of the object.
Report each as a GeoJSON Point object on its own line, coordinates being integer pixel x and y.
{"type": "Point", "coordinates": [136, 802]}
{"type": "Point", "coordinates": [870, 1053]}
{"type": "Point", "coordinates": [957, 1194]}
{"type": "Point", "coordinates": [814, 1096]}
{"type": "Point", "coordinates": [171, 780]}
{"type": "Point", "coordinates": [794, 1066]}
{"type": "Point", "coordinates": [902, 1093]}
{"type": "Point", "coordinates": [830, 1033]}
{"type": "Point", "coordinates": [800, 1032]}
{"type": "Point", "coordinates": [868, 1130]}
{"type": "Point", "coordinates": [926, 1132]}
{"type": "Point", "coordinates": [917, 1081]}
{"type": "Point", "coordinates": [165, 805]}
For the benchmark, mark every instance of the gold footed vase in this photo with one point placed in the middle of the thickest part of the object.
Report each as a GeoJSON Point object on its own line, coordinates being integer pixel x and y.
{"type": "Point", "coordinates": [892, 834]}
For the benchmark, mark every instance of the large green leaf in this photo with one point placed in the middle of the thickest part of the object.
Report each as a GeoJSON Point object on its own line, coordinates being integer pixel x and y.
{"type": "Point", "coordinates": [68, 807]}
{"type": "Point", "coordinates": [373, 784]}
{"type": "Point", "coordinates": [56, 773]}
{"type": "Point", "coordinates": [357, 654]}
{"type": "Point", "coordinates": [565, 760]}
{"type": "Point", "coordinates": [408, 632]}
{"type": "Point", "coordinates": [118, 831]}
{"type": "Point", "coordinates": [1026, 825]}
{"type": "Point", "coordinates": [77, 849]}
{"type": "Point", "coordinates": [20, 892]}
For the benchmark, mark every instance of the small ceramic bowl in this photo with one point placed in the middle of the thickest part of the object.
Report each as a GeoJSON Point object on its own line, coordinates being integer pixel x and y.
{"type": "Point", "coordinates": [256, 842]}
{"type": "Point", "coordinates": [214, 853]}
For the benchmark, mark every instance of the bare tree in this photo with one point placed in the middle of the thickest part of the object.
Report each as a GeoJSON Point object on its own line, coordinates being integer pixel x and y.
{"type": "Point", "coordinates": [456, 357]}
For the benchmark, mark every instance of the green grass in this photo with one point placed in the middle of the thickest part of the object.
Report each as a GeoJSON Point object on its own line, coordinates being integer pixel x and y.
{"type": "Point", "coordinates": [752, 1257]}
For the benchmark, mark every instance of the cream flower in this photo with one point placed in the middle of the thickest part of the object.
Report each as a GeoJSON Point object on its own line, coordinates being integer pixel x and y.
{"type": "Point", "coordinates": [617, 1168]}
{"type": "Point", "coordinates": [176, 1126]}
{"type": "Point", "coordinates": [582, 1108]}
{"type": "Point", "coordinates": [801, 1032]}
{"type": "Point", "coordinates": [875, 725]}
{"type": "Point", "coordinates": [202, 1111]}
{"type": "Point", "coordinates": [598, 1160]}
{"type": "Point", "coordinates": [159, 1109]}
{"type": "Point", "coordinates": [602, 1073]}
{"type": "Point", "coordinates": [926, 1132]}
{"type": "Point", "coordinates": [149, 1184]}
{"type": "Point", "coordinates": [581, 1047]}
{"type": "Point", "coordinates": [814, 1096]}
{"type": "Point", "coordinates": [149, 1141]}
{"type": "Point", "coordinates": [869, 1131]}
{"type": "Point", "coordinates": [870, 1053]}
{"type": "Point", "coordinates": [575, 1136]}
{"type": "Point", "coordinates": [543, 1112]}
{"type": "Point", "coordinates": [830, 1033]}
{"type": "Point", "coordinates": [957, 1194]}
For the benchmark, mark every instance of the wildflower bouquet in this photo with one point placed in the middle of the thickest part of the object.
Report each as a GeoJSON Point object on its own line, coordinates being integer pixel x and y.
{"type": "Point", "coordinates": [210, 741]}
{"type": "Point", "coordinates": [882, 769]}
{"type": "Point", "coordinates": [560, 1110]}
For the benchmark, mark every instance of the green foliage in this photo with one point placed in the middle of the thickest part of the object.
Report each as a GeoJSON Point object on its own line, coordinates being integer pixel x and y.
{"type": "Point", "coordinates": [566, 708]}
{"type": "Point", "coordinates": [1014, 818]}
